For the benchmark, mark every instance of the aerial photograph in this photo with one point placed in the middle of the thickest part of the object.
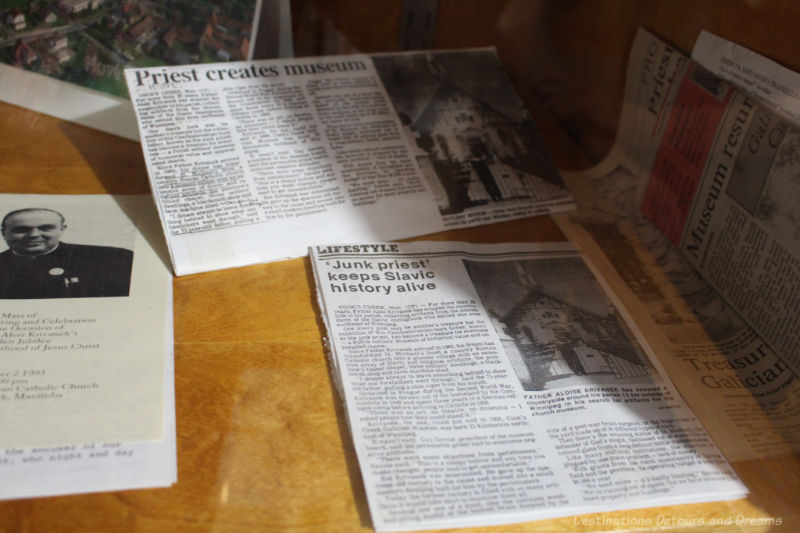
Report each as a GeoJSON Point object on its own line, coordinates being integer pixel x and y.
{"type": "Point", "coordinates": [90, 42]}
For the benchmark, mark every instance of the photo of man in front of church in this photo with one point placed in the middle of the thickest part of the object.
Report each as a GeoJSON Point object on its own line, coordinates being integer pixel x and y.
{"type": "Point", "coordinates": [38, 264]}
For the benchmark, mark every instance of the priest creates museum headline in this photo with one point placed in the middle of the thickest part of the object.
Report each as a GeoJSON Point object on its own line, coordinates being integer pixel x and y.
{"type": "Point", "coordinates": [241, 71]}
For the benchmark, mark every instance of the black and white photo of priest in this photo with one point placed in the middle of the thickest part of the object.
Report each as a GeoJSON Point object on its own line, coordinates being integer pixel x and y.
{"type": "Point", "coordinates": [38, 264]}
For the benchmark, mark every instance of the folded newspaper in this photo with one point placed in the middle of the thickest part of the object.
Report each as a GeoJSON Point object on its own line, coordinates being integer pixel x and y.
{"type": "Point", "coordinates": [696, 209]}
{"type": "Point", "coordinates": [723, 186]}
{"type": "Point", "coordinates": [490, 384]}
{"type": "Point", "coordinates": [255, 161]}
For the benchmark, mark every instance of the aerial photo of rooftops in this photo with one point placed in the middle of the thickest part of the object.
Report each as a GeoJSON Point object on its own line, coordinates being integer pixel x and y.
{"type": "Point", "coordinates": [90, 42]}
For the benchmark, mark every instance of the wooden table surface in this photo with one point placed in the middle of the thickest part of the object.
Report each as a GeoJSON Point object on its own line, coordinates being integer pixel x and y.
{"type": "Point", "coordinates": [262, 440]}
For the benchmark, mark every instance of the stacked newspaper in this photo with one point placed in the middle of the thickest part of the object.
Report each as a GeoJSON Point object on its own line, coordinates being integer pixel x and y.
{"type": "Point", "coordinates": [490, 384]}
{"type": "Point", "coordinates": [86, 399]}
{"type": "Point", "coordinates": [255, 161]}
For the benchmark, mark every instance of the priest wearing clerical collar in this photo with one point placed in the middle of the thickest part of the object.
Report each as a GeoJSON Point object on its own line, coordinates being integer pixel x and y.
{"type": "Point", "coordinates": [39, 265]}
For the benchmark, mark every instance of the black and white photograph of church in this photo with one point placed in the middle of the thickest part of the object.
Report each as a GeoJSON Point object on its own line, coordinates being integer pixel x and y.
{"type": "Point", "coordinates": [556, 324]}
{"type": "Point", "coordinates": [474, 140]}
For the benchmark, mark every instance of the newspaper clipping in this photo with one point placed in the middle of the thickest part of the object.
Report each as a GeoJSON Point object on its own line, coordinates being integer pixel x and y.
{"type": "Point", "coordinates": [696, 208]}
{"type": "Point", "coordinates": [255, 161]}
{"type": "Point", "coordinates": [489, 384]}
{"type": "Point", "coordinates": [772, 84]}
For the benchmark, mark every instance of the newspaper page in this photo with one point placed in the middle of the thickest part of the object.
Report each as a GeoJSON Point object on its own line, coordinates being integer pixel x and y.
{"type": "Point", "coordinates": [489, 384]}
{"type": "Point", "coordinates": [98, 467]}
{"type": "Point", "coordinates": [723, 187]}
{"type": "Point", "coordinates": [705, 290]}
{"type": "Point", "coordinates": [76, 273]}
{"type": "Point", "coordinates": [762, 78]}
{"type": "Point", "coordinates": [256, 161]}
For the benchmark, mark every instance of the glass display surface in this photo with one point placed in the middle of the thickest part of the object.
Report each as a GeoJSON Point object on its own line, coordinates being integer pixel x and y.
{"type": "Point", "coordinates": [263, 438]}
